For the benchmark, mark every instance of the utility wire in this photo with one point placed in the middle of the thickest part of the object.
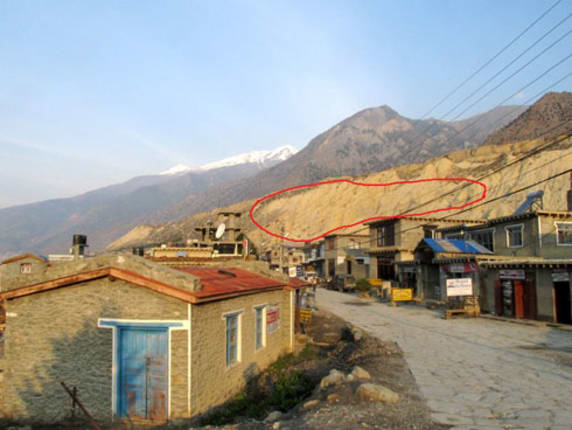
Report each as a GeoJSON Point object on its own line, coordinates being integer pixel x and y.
{"type": "Point", "coordinates": [520, 69]}
{"type": "Point", "coordinates": [507, 66]}
{"type": "Point", "coordinates": [518, 160]}
{"type": "Point", "coordinates": [494, 57]}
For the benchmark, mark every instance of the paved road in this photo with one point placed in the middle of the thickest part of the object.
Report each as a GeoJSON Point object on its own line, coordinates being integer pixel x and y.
{"type": "Point", "coordinates": [474, 373]}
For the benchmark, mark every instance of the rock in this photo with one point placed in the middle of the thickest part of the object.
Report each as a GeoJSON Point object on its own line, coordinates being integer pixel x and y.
{"type": "Point", "coordinates": [335, 377]}
{"type": "Point", "coordinates": [377, 393]}
{"type": "Point", "coordinates": [277, 425]}
{"type": "Point", "coordinates": [273, 416]}
{"type": "Point", "coordinates": [358, 334]}
{"type": "Point", "coordinates": [310, 404]}
{"type": "Point", "coordinates": [350, 378]}
{"type": "Point", "coordinates": [359, 373]}
{"type": "Point", "coordinates": [333, 398]}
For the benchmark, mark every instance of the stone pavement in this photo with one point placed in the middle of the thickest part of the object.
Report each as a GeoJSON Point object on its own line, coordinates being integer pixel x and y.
{"type": "Point", "coordinates": [474, 373]}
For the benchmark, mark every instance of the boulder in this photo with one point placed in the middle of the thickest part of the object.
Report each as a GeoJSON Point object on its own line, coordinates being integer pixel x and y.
{"type": "Point", "coordinates": [333, 398]}
{"type": "Point", "coordinates": [310, 404]}
{"type": "Point", "coordinates": [359, 373]}
{"type": "Point", "coordinates": [377, 393]}
{"type": "Point", "coordinates": [273, 416]}
{"type": "Point", "coordinates": [335, 377]}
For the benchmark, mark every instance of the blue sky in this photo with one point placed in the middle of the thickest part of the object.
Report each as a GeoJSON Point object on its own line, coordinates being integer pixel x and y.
{"type": "Point", "coordinates": [94, 93]}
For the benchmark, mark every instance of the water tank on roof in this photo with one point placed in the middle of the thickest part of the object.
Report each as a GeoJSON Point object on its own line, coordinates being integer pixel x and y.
{"type": "Point", "coordinates": [79, 239]}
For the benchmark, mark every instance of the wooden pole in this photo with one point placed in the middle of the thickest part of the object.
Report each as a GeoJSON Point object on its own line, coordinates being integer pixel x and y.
{"type": "Point", "coordinates": [89, 417]}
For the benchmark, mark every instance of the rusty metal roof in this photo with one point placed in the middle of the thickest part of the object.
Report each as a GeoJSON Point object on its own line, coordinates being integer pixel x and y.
{"type": "Point", "coordinates": [218, 281]}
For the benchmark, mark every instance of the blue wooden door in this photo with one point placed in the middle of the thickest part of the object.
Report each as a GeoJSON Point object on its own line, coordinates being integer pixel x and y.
{"type": "Point", "coordinates": [143, 373]}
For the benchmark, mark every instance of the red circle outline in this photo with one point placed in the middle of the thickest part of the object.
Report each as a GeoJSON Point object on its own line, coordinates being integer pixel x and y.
{"type": "Point", "coordinates": [364, 184]}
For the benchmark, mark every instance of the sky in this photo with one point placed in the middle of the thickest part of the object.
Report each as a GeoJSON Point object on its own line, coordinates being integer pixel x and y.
{"type": "Point", "coordinates": [94, 93]}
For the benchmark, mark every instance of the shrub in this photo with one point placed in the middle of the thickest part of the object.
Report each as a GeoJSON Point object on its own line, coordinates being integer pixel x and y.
{"type": "Point", "coordinates": [363, 285]}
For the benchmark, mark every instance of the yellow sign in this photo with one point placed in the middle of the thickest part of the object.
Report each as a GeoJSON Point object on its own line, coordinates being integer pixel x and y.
{"type": "Point", "coordinates": [305, 315]}
{"type": "Point", "coordinates": [375, 282]}
{"type": "Point", "coordinates": [401, 294]}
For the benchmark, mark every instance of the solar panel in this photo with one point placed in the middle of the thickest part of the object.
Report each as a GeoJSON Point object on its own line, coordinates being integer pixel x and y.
{"type": "Point", "coordinates": [531, 198]}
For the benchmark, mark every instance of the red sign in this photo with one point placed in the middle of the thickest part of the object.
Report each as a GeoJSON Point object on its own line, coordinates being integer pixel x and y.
{"type": "Point", "coordinates": [272, 319]}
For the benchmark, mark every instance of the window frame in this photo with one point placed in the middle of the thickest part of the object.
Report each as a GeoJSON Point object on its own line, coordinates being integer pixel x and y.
{"type": "Point", "coordinates": [25, 268]}
{"type": "Point", "coordinates": [485, 230]}
{"type": "Point", "coordinates": [383, 236]}
{"type": "Point", "coordinates": [507, 232]}
{"type": "Point", "coordinates": [227, 317]}
{"type": "Point", "coordinates": [262, 308]}
{"type": "Point", "coordinates": [556, 224]}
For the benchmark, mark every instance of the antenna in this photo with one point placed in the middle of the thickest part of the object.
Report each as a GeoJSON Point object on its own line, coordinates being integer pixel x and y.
{"type": "Point", "coordinates": [220, 230]}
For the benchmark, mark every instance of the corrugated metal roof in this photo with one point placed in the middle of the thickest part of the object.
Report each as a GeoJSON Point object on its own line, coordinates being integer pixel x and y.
{"type": "Point", "coordinates": [217, 281]}
{"type": "Point", "coordinates": [456, 246]}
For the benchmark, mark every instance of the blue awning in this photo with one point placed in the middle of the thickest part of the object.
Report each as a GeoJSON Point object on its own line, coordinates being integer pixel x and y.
{"type": "Point", "coordinates": [456, 246]}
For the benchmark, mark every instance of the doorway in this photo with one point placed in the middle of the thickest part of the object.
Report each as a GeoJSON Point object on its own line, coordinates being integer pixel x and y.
{"type": "Point", "coordinates": [562, 302]}
{"type": "Point", "coordinates": [143, 373]}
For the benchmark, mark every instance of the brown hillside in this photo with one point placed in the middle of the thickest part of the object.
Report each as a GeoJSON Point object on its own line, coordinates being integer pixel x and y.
{"type": "Point", "coordinates": [548, 113]}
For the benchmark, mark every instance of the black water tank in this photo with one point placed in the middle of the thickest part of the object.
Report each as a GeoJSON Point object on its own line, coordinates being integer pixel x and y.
{"type": "Point", "coordinates": [79, 239]}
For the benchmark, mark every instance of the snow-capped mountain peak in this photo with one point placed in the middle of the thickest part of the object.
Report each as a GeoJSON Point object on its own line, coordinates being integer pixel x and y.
{"type": "Point", "coordinates": [257, 157]}
{"type": "Point", "coordinates": [177, 170]}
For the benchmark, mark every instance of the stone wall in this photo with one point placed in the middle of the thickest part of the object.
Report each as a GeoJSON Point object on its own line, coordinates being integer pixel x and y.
{"type": "Point", "coordinates": [54, 336]}
{"type": "Point", "coordinates": [212, 381]}
{"type": "Point", "coordinates": [10, 272]}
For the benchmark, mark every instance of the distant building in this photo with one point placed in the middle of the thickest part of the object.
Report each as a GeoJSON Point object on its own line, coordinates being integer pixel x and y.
{"type": "Point", "coordinates": [338, 261]}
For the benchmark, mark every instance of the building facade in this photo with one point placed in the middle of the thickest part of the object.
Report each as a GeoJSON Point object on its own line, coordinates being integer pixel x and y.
{"type": "Point", "coordinates": [138, 339]}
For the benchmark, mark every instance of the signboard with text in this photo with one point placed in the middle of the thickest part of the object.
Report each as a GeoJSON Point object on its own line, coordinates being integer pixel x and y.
{"type": "Point", "coordinates": [512, 274]}
{"type": "Point", "coordinates": [272, 319]}
{"type": "Point", "coordinates": [401, 294]}
{"type": "Point", "coordinates": [459, 287]}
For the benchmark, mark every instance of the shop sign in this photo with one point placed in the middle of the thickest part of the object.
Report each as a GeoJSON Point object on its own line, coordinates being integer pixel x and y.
{"type": "Point", "coordinates": [558, 276]}
{"type": "Point", "coordinates": [401, 294]}
{"type": "Point", "coordinates": [299, 271]}
{"type": "Point", "coordinates": [460, 268]}
{"type": "Point", "coordinates": [459, 287]}
{"type": "Point", "coordinates": [512, 274]}
{"type": "Point", "coordinates": [272, 319]}
{"type": "Point", "coordinates": [305, 315]}
{"type": "Point", "coordinates": [292, 271]}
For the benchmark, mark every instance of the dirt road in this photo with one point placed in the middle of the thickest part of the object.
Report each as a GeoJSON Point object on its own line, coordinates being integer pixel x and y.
{"type": "Point", "coordinates": [474, 373]}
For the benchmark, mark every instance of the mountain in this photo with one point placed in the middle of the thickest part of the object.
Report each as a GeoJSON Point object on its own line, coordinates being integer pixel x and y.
{"type": "Point", "coordinates": [552, 112]}
{"type": "Point", "coordinates": [312, 211]}
{"type": "Point", "coordinates": [109, 212]}
{"type": "Point", "coordinates": [369, 141]}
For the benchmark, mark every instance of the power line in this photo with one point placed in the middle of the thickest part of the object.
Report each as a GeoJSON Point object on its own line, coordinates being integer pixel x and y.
{"type": "Point", "coordinates": [518, 160]}
{"type": "Point", "coordinates": [520, 69]}
{"type": "Point", "coordinates": [494, 57]}
{"type": "Point", "coordinates": [508, 65]}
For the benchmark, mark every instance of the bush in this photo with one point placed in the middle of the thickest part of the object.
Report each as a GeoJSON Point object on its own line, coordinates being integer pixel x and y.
{"type": "Point", "coordinates": [363, 285]}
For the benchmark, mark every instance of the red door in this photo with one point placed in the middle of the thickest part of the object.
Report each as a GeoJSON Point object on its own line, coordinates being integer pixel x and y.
{"type": "Point", "coordinates": [518, 299]}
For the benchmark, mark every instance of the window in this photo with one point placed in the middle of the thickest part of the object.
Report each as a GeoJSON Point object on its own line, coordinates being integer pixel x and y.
{"type": "Point", "coordinates": [331, 243]}
{"type": "Point", "coordinates": [485, 238]}
{"type": "Point", "coordinates": [564, 233]}
{"type": "Point", "coordinates": [349, 264]}
{"type": "Point", "coordinates": [26, 268]}
{"type": "Point", "coordinates": [232, 339]}
{"type": "Point", "coordinates": [260, 324]}
{"type": "Point", "coordinates": [386, 235]}
{"type": "Point", "coordinates": [514, 236]}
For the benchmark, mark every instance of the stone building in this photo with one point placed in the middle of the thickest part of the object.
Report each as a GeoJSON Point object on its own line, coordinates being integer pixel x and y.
{"type": "Point", "coordinates": [394, 240]}
{"type": "Point", "coordinates": [138, 339]}
{"type": "Point", "coordinates": [336, 257]}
